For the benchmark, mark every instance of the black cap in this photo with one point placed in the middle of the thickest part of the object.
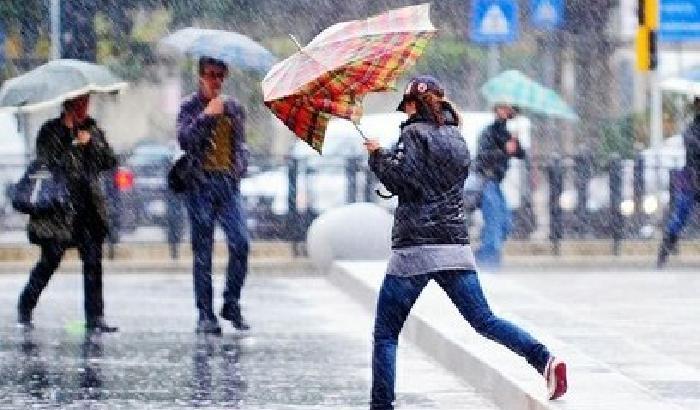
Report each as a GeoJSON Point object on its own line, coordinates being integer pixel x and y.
{"type": "Point", "coordinates": [420, 85]}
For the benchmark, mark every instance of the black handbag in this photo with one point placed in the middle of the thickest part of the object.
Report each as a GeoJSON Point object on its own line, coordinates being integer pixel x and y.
{"type": "Point", "coordinates": [41, 191]}
{"type": "Point", "coordinates": [183, 174]}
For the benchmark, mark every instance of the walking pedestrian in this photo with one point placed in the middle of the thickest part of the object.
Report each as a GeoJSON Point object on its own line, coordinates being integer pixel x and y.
{"type": "Point", "coordinates": [426, 169]}
{"type": "Point", "coordinates": [211, 129]}
{"type": "Point", "coordinates": [74, 146]}
{"type": "Point", "coordinates": [687, 192]}
{"type": "Point", "coordinates": [496, 147]}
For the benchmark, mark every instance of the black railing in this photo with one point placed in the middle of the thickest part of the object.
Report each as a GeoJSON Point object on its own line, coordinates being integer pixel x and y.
{"type": "Point", "coordinates": [578, 198]}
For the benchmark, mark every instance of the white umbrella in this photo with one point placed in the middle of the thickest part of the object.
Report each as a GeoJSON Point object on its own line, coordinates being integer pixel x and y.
{"type": "Point", "coordinates": [56, 81]}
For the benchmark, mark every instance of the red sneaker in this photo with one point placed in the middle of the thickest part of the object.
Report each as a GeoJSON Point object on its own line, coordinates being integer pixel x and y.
{"type": "Point", "coordinates": [555, 375]}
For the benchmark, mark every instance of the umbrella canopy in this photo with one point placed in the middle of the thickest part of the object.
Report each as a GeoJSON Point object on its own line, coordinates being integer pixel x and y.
{"type": "Point", "coordinates": [57, 81]}
{"type": "Point", "coordinates": [338, 67]}
{"type": "Point", "coordinates": [515, 88]}
{"type": "Point", "coordinates": [234, 49]}
{"type": "Point", "coordinates": [688, 82]}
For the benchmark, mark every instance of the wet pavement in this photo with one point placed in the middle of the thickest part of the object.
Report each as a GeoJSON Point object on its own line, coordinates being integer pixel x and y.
{"type": "Point", "coordinates": [308, 349]}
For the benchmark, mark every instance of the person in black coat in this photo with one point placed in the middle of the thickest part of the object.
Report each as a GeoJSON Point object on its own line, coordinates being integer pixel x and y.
{"type": "Point", "coordinates": [496, 147]}
{"type": "Point", "coordinates": [74, 146]}
{"type": "Point", "coordinates": [426, 169]}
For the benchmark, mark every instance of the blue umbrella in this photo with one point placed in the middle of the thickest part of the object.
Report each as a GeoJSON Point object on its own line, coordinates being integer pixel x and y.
{"type": "Point", "coordinates": [56, 81]}
{"type": "Point", "coordinates": [235, 49]}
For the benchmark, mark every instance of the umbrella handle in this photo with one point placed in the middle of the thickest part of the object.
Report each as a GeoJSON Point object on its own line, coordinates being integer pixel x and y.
{"type": "Point", "coordinates": [362, 134]}
{"type": "Point", "coordinates": [294, 39]}
{"type": "Point", "coordinates": [301, 49]}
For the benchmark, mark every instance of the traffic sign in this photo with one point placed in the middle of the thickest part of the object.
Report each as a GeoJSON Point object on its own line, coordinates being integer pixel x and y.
{"type": "Point", "coordinates": [546, 14]}
{"type": "Point", "coordinates": [680, 20]}
{"type": "Point", "coordinates": [493, 21]}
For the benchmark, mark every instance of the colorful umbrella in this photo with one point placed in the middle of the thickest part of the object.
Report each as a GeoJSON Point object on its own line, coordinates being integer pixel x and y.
{"type": "Point", "coordinates": [58, 80]}
{"type": "Point", "coordinates": [338, 67]}
{"type": "Point", "coordinates": [234, 49]}
{"type": "Point", "coordinates": [515, 88]}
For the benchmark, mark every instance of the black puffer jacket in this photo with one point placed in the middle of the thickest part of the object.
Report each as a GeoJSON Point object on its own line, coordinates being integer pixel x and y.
{"type": "Point", "coordinates": [82, 165]}
{"type": "Point", "coordinates": [691, 141]}
{"type": "Point", "coordinates": [426, 169]}
{"type": "Point", "coordinates": [491, 156]}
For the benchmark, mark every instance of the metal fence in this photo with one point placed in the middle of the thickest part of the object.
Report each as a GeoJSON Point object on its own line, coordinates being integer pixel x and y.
{"type": "Point", "coordinates": [553, 199]}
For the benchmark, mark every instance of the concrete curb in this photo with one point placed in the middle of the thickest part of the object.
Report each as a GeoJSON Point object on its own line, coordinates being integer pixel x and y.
{"type": "Point", "coordinates": [491, 369]}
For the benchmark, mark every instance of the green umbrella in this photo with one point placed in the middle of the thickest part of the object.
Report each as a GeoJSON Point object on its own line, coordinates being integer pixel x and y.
{"type": "Point", "coordinates": [513, 87]}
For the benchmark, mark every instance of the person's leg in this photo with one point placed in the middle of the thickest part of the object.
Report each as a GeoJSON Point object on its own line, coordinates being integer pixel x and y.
{"type": "Point", "coordinates": [492, 229]}
{"type": "Point", "coordinates": [396, 297]}
{"type": "Point", "coordinates": [49, 260]}
{"type": "Point", "coordinates": [683, 205]}
{"type": "Point", "coordinates": [464, 290]}
{"type": "Point", "coordinates": [89, 243]}
{"type": "Point", "coordinates": [233, 221]}
{"type": "Point", "coordinates": [506, 217]}
{"type": "Point", "coordinates": [201, 213]}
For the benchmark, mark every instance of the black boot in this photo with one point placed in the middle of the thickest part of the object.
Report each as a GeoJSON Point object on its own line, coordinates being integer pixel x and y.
{"type": "Point", "coordinates": [668, 245]}
{"type": "Point", "coordinates": [24, 319]}
{"type": "Point", "coordinates": [232, 313]}
{"type": "Point", "coordinates": [208, 327]}
{"type": "Point", "coordinates": [99, 326]}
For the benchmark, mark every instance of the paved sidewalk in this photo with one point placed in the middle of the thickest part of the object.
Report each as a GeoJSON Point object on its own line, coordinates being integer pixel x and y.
{"type": "Point", "coordinates": [629, 338]}
{"type": "Point", "coordinates": [308, 349]}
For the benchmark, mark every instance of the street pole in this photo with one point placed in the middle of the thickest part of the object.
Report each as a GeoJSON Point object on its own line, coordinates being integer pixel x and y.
{"type": "Point", "coordinates": [656, 112]}
{"type": "Point", "coordinates": [55, 29]}
{"type": "Point", "coordinates": [494, 63]}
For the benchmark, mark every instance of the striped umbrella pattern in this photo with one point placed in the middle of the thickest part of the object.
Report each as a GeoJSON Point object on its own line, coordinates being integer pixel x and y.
{"type": "Point", "coordinates": [330, 76]}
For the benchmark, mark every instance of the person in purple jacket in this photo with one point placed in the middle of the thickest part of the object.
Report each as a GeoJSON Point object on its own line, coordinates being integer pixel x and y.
{"type": "Point", "coordinates": [211, 128]}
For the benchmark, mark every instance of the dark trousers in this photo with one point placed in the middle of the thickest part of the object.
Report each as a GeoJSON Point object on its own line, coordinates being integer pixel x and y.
{"type": "Point", "coordinates": [90, 251]}
{"type": "Point", "coordinates": [396, 298]}
{"type": "Point", "coordinates": [217, 199]}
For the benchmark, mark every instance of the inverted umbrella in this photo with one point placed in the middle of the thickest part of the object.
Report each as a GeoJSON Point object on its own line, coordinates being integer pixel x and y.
{"type": "Point", "coordinates": [56, 81]}
{"type": "Point", "coordinates": [515, 88]}
{"type": "Point", "coordinates": [235, 49]}
{"type": "Point", "coordinates": [339, 66]}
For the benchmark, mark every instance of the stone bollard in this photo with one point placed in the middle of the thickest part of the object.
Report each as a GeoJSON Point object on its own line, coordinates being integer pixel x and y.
{"type": "Point", "coordinates": [359, 231]}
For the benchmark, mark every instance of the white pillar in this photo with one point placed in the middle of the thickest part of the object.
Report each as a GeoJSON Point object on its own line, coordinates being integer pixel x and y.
{"type": "Point", "coordinates": [656, 121]}
{"type": "Point", "coordinates": [55, 29]}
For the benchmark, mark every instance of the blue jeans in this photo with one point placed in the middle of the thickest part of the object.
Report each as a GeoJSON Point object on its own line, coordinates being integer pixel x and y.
{"type": "Point", "coordinates": [496, 226]}
{"type": "Point", "coordinates": [682, 206]}
{"type": "Point", "coordinates": [396, 297]}
{"type": "Point", "coordinates": [217, 199]}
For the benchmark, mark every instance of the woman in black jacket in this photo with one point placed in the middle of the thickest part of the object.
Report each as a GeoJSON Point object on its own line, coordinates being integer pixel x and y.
{"type": "Point", "coordinates": [426, 170]}
{"type": "Point", "coordinates": [74, 146]}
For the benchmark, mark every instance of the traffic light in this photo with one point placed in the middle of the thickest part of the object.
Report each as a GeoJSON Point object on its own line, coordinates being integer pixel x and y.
{"type": "Point", "coordinates": [645, 43]}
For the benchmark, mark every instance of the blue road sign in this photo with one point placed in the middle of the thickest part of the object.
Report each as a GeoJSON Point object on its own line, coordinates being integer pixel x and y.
{"type": "Point", "coordinates": [493, 21]}
{"type": "Point", "coordinates": [546, 14]}
{"type": "Point", "coordinates": [679, 20]}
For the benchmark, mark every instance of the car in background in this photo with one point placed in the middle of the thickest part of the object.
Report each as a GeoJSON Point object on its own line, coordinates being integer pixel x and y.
{"type": "Point", "coordinates": [140, 187]}
{"type": "Point", "coordinates": [322, 180]}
